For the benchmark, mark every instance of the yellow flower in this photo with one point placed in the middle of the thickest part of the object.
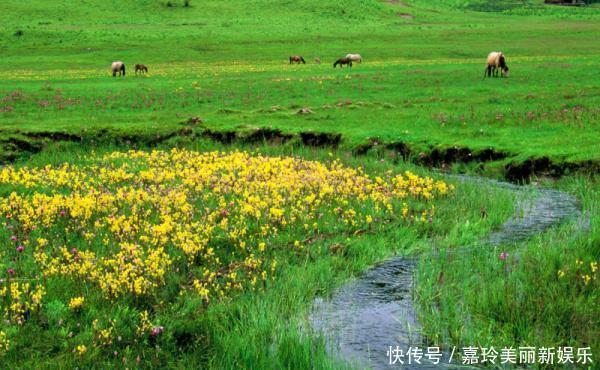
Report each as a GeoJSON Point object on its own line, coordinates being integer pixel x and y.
{"type": "Point", "coordinates": [81, 349]}
{"type": "Point", "coordinates": [586, 279]}
{"type": "Point", "coordinates": [76, 303]}
{"type": "Point", "coordinates": [4, 342]}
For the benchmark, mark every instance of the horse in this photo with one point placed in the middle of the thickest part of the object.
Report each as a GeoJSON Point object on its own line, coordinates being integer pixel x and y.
{"type": "Point", "coordinates": [118, 67]}
{"type": "Point", "coordinates": [343, 61]}
{"type": "Point", "coordinates": [495, 61]}
{"type": "Point", "coordinates": [354, 57]}
{"type": "Point", "coordinates": [141, 68]}
{"type": "Point", "coordinates": [297, 59]}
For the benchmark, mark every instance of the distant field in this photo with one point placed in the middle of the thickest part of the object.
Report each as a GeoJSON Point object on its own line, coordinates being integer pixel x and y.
{"type": "Point", "coordinates": [420, 84]}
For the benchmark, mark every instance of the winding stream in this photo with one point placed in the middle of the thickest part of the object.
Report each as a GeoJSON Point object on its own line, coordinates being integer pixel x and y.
{"type": "Point", "coordinates": [368, 315]}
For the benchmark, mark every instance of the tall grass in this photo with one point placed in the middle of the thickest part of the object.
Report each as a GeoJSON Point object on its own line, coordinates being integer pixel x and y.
{"type": "Point", "coordinates": [544, 293]}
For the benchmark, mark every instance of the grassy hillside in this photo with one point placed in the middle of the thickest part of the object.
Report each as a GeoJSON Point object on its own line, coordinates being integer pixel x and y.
{"type": "Point", "coordinates": [226, 62]}
{"type": "Point", "coordinates": [517, 7]}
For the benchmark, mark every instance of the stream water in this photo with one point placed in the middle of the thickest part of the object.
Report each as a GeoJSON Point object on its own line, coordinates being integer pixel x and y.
{"type": "Point", "coordinates": [362, 319]}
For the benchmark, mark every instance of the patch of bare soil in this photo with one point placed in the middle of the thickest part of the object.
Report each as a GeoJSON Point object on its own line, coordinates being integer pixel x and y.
{"type": "Point", "coordinates": [405, 15]}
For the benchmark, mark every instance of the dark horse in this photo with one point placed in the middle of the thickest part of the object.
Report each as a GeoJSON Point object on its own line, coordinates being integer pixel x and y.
{"type": "Point", "coordinates": [297, 59]}
{"type": "Point", "coordinates": [141, 68]}
{"type": "Point", "coordinates": [343, 61]}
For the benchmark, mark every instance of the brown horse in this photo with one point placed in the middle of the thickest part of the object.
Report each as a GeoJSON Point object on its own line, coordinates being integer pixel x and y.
{"type": "Point", "coordinates": [343, 61]}
{"type": "Point", "coordinates": [297, 59]}
{"type": "Point", "coordinates": [118, 67]}
{"type": "Point", "coordinates": [141, 68]}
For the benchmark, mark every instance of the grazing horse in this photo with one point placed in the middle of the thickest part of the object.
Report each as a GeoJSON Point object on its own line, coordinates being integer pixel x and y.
{"type": "Point", "coordinates": [495, 61]}
{"type": "Point", "coordinates": [355, 57]}
{"type": "Point", "coordinates": [141, 68]}
{"type": "Point", "coordinates": [297, 59]}
{"type": "Point", "coordinates": [118, 67]}
{"type": "Point", "coordinates": [343, 61]}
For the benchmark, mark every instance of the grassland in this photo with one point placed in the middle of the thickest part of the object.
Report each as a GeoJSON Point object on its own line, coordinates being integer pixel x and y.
{"type": "Point", "coordinates": [539, 293]}
{"type": "Point", "coordinates": [421, 83]}
{"type": "Point", "coordinates": [219, 80]}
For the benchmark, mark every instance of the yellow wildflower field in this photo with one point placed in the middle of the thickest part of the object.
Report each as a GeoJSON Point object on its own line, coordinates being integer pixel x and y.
{"type": "Point", "coordinates": [122, 223]}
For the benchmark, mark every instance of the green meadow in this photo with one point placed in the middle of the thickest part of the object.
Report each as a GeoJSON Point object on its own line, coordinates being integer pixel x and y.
{"type": "Point", "coordinates": [219, 80]}
{"type": "Point", "coordinates": [227, 63]}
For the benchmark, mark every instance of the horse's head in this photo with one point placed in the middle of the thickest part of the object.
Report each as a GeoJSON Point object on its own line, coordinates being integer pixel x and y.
{"type": "Point", "coordinates": [505, 71]}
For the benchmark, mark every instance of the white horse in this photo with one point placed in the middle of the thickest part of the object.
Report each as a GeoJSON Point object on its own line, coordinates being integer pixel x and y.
{"type": "Point", "coordinates": [496, 61]}
{"type": "Point", "coordinates": [118, 67]}
{"type": "Point", "coordinates": [354, 57]}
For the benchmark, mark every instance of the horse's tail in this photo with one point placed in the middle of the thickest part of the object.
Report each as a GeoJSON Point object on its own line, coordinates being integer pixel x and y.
{"type": "Point", "coordinates": [290, 60]}
{"type": "Point", "coordinates": [303, 61]}
{"type": "Point", "coordinates": [123, 68]}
